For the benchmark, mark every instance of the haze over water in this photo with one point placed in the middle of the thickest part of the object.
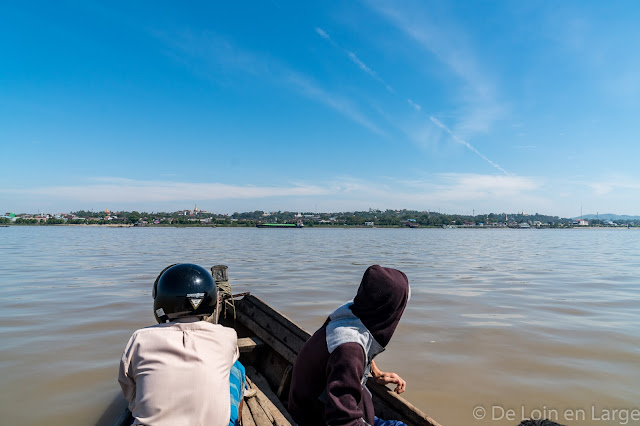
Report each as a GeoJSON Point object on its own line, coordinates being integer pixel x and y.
{"type": "Point", "coordinates": [504, 319]}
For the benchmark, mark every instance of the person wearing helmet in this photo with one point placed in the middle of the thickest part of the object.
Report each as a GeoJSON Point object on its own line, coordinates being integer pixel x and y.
{"type": "Point", "coordinates": [328, 386]}
{"type": "Point", "coordinates": [183, 370]}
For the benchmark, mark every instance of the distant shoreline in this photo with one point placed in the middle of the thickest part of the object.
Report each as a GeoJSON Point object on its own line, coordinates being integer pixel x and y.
{"type": "Point", "coordinates": [95, 225]}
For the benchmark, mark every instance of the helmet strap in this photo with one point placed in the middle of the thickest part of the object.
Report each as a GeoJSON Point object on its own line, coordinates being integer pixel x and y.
{"type": "Point", "coordinates": [161, 315]}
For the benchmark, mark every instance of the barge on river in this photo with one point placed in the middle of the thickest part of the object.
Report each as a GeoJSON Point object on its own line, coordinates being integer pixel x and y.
{"type": "Point", "coordinates": [299, 224]}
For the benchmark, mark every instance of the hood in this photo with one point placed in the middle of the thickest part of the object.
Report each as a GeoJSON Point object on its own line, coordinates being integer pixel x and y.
{"type": "Point", "coordinates": [380, 302]}
{"type": "Point", "coordinates": [344, 326]}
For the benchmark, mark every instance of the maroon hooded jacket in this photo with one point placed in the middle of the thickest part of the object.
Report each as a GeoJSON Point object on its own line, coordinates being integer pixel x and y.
{"type": "Point", "coordinates": [327, 387]}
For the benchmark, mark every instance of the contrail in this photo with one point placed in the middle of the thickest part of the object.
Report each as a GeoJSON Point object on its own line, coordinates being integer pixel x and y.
{"type": "Point", "coordinates": [365, 68]}
{"type": "Point", "coordinates": [465, 143]}
{"type": "Point", "coordinates": [352, 56]}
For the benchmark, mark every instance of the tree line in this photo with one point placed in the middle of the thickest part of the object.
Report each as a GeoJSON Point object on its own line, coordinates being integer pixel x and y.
{"type": "Point", "coordinates": [380, 218]}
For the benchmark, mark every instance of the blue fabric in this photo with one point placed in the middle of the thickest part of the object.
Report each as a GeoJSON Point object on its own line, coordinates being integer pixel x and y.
{"type": "Point", "coordinates": [237, 382]}
{"type": "Point", "coordinates": [380, 422]}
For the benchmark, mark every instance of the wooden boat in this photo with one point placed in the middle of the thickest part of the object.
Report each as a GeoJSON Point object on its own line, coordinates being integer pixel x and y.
{"type": "Point", "coordinates": [269, 343]}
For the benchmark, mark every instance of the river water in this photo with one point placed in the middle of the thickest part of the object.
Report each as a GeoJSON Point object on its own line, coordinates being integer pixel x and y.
{"type": "Point", "coordinates": [518, 322]}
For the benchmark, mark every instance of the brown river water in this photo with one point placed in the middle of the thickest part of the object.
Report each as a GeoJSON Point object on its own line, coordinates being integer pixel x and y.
{"type": "Point", "coordinates": [502, 324]}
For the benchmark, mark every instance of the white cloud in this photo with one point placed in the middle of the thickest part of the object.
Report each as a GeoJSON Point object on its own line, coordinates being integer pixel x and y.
{"type": "Point", "coordinates": [361, 64]}
{"type": "Point", "coordinates": [465, 143]}
{"type": "Point", "coordinates": [474, 186]}
{"type": "Point", "coordinates": [601, 188]}
{"type": "Point", "coordinates": [448, 42]}
{"type": "Point", "coordinates": [206, 53]}
{"type": "Point", "coordinates": [425, 134]}
{"type": "Point", "coordinates": [120, 190]}
{"type": "Point", "coordinates": [339, 103]}
{"type": "Point", "coordinates": [611, 185]}
{"type": "Point", "coordinates": [364, 67]}
{"type": "Point", "coordinates": [322, 33]}
{"type": "Point", "coordinates": [453, 192]}
{"type": "Point", "coordinates": [451, 189]}
{"type": "Point", "coordinates": [356, 60]}
{"type": "Point", "coordinates": [414, 105]}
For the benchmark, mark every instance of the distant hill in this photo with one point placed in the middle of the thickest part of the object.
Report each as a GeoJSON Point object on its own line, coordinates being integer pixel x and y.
{"type": "Point", "coordinates": [608, 216]}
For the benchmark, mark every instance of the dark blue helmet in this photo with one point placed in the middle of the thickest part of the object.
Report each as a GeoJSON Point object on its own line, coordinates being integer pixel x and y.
{"type": "Point", "coordinates": [184, 290]}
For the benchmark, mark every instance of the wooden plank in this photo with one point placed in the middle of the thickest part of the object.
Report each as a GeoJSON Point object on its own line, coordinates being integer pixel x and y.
{"type": "Point", "coordinates": [247, 418]}
{"type": "Point", "coordinates": [265, 408]}
{"type": "Point", "coordinates": [408, 412]}
{"type": "Point", "coordinates": [272, 322]}
{"type": "Point", "coordinates": [266, 335]}
{"type": "Point", "coordinates": [277, 331]}
{"type": "Point", "coordinates": [272, 366]}
{"type": "Point", "coordinates": [269, 400]}
{"type": "Point", "coordinates": [250, 344]}
{"type": "Point", "coordinates": [257, 412]}
{"type": "Point", "coordinates": [282, 319]}
{"type": "Point", "coordinates": [293, 331]}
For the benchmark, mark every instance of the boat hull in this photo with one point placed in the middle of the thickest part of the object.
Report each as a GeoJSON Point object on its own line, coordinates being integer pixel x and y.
{"type": "Point", "coordinates": [269, 343]}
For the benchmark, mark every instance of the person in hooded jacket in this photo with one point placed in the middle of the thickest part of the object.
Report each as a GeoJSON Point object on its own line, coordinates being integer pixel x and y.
{"type": "Point", "coordinates": [330, 372]}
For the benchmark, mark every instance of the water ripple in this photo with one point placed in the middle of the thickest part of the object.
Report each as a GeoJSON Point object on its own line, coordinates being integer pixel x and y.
{"type": "Point", "coordinates": [542, 316]}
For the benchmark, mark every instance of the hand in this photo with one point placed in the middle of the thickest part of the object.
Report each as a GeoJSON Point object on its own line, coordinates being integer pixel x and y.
{"type": "Point", "coordinates": [387, 378]}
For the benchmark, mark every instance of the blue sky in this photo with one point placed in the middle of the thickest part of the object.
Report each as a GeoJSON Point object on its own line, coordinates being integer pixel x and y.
{"type": "Point", "coordinates": [452, 106]}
